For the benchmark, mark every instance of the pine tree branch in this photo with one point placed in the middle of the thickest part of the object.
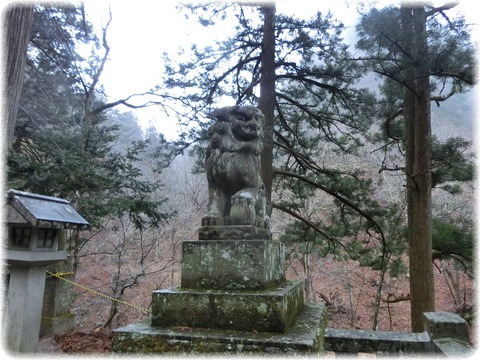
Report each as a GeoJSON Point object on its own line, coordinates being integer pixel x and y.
{"type": "Point", "coordinates": [372, 223]}
{"type": "Point", "coordinates": [389, 120]}
{"type": "Point", "coordinates": [396, 168]}
{"type": "Point", "coordinates": [307, 222]}
{"type": "Point", "coordinates": [462, 76]}
{"type": "Point", "coordinates": [219, 79]}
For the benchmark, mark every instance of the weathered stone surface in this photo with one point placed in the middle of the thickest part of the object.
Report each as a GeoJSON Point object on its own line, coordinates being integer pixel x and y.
{"type": "Point", "coordinates": [24, 302]}
{"type": "Point", "coordinates": [305, 337]}
{"type": "Point", "coordinates": [235, 185]}
{"type": "Point", "coordinates": [233, 232]}
{"type": "Point", "coordinates": [379, 342]}
{"type": "Point", "coordinates": [57, 317]}
{"type": "Point", "coordinates": [441, 324]}
{"type": "Point", "coordinates": [232, 265]}
{"type": "Point", "coordinates": [444, 336]}
{"type": "Point", "coordinates": [256, 311]}
{"type": "Point", "coordinates": [233, 295]}
{"type": "Point", "coordinates": [453, 347]}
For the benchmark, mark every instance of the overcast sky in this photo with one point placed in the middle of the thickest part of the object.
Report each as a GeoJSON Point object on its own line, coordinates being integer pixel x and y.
{"type": "Point", "coordinates": [142, 30]}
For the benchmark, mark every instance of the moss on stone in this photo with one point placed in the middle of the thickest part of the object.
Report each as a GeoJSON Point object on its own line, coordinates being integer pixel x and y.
{"type": "Point", "coordinates": [240, 264]}
{"type": "Point", "coordinates": [265, 310]}
{"type": "Point", "coordinates": [305, 337]}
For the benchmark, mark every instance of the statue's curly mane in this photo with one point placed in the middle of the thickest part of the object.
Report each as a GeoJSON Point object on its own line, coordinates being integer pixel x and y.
{"type": "Point", "coordinates": [224, 132]}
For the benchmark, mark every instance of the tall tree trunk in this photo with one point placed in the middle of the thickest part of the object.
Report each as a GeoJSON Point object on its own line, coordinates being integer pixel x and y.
{"type": "Point", "coordinates": [418, 166]}
{"type": "Point", "coordinates": [18, 26]}
{"type": "Point", "coordinates": [423, 298]}
{"type": "Point", "coordinates": [266, 103]}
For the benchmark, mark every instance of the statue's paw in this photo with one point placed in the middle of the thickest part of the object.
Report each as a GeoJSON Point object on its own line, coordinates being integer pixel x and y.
{"type": "Point", "coordinates": [243, 199]}
{"type": "Point", "coordinates": [242, 210]}
{"type": "Point", "coordinates": [263, 223]}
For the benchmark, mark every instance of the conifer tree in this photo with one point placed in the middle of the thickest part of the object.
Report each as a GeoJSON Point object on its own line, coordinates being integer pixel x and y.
{"type": "Point", "coordinates": [418, 52]}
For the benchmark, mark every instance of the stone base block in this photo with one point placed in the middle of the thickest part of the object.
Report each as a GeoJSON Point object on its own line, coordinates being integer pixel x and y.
{"type": "Point", "coordinates": [442, 324]}
{"type": "Point", "coordinates": [232, 265]}
{"type": "Point", "coordinates": [260, 311]}
{"type": "Point", "coordinates": [305, 338]}
{"type": "Point", "coordinates": [233, 232]}
{"type": "Point", "coordinates": [348, 342]}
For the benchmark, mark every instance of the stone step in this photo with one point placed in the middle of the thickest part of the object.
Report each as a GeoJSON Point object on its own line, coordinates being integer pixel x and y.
{"type": "Point", "coordinates": [304, 338]}
{"type": "Point", "coordinates": [261, 311]}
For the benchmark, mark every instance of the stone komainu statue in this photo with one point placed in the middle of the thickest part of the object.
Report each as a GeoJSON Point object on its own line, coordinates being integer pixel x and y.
{"type": "Point", "coordinates": [236, 190]}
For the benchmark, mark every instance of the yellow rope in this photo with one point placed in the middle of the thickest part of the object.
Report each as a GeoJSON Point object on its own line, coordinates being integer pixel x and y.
{"type": "Point", "coordinates": [59, 276]}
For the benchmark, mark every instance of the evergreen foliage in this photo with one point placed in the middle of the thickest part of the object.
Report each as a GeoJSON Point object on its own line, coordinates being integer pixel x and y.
{"type": "Point", "coordinates": [77, 164]}
{"type": "Point", "coordinates": [454, 238]}
{"type": "Point", "coordinates": [451, 65]}
{"type": "Point", "coordinates": [61, 148]}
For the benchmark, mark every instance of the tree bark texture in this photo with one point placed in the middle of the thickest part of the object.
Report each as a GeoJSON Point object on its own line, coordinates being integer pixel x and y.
{"type": "Point", "coordinates": [266, 103]}
{"type": "Point", "coordinates": [418, 165]}
{"type": "Point", "coordinates": [18, 25]}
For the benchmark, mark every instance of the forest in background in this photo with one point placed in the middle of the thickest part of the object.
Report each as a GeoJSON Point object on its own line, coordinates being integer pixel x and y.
{"type": "Point", "coordinates": [333, 190]}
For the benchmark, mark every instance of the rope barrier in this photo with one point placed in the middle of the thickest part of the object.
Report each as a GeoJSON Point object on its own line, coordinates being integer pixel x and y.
{"type": "Point", "coordinates": [98, 293]}
{"type": "Point", "coordinates": [60, 274]}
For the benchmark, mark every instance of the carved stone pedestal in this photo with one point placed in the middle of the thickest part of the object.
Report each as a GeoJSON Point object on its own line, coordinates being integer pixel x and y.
{"type": "Point", "coordinates": [232, 265]}
{"type": "Point", "coordinates": [233, 298]}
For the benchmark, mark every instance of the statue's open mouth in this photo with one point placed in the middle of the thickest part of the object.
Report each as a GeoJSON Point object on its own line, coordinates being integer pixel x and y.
{"type": "Point", "coordinates": [250, 130]}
